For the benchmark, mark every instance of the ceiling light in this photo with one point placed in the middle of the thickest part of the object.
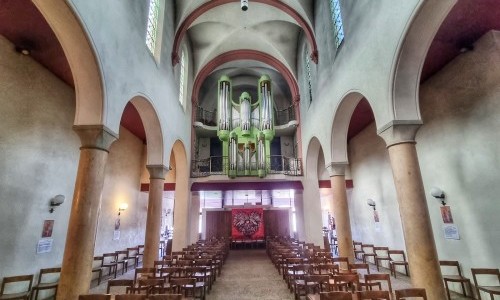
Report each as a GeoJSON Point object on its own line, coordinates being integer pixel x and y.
{"type": "Point", "coordinates": [244, 5]}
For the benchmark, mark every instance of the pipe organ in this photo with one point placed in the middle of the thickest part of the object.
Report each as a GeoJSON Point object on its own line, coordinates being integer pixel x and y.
{"type": "Point", "coordinates": [246, 128]}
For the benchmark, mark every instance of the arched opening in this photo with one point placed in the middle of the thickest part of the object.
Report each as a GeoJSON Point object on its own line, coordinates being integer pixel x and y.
{"type": "Point", "coordinates": [182, 220]}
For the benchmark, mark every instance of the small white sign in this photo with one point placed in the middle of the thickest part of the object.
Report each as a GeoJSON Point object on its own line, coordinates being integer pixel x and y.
{"type": "Point", "coordinates": [44, 246]}
{"type": "Point", "coordinates": [116, 235]}
{"type": "Point", "coordinates": [451, 232]}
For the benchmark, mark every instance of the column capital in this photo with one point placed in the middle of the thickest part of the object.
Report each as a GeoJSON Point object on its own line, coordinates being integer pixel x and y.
{"type": "Point", "coordinates": [95, 136]}
{"type": "Point", "coordinates": [399, 132]}
{"type": "Point", "coordinates": [157, 171]}
{"type": "Point", "coordinates": [336, 168]}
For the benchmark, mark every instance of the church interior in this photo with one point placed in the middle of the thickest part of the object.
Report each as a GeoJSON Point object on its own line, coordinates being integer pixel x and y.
{"type": "Point", "coordinates": [249, 149]}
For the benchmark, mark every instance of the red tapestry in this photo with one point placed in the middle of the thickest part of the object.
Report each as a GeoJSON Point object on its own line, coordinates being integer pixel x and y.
{"type": "Point", "coordinates": [247, 223]}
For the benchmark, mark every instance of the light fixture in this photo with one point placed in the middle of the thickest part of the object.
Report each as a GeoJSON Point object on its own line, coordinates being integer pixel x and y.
{"type": "Point", "coordinates": [438, 194]}
{"type": "Point", "coordinates": [244, 5]}
{"type": "Point", "coordinates": [122, 207]}
{"type": "Point", "coordinates": [56, 201]}
{"type": "Point", "coordinates": [371, 203]}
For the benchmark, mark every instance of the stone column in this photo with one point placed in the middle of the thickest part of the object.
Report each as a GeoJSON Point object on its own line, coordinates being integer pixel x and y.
{"type": "Point", "coordinates": [194, 222]}
{"type": "Point", "coordinates": [153, 223]}
{"type": "Point", "coordinates": [419, 238]}
{"type": "Point", "coordinates": [341, 210]}
{"type": "Point", "coordinates": [78, 256]}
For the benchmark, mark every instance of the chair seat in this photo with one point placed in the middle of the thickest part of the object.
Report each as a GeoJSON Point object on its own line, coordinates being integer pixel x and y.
{"type": "Point", "coordinates": [22, 295]}
{"type": "Point", "coordinates": [399, 262]}
{"type": "Point", "coordinates": [456, 278]}
{"type": "Point", "coordinates": [495, 290]}
{"type": "Point", "coordinates": [302, 282]}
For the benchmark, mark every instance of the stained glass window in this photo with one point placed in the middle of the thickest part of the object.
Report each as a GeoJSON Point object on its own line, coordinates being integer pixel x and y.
{"type": "Point", "coordinates": [152, 29]}
{"type": "Point", "coordinates": [308, 71]}
{"type": "Point", "coordinates": [338, 28]}
{"type": "Point", "coordinates": [182, 76]}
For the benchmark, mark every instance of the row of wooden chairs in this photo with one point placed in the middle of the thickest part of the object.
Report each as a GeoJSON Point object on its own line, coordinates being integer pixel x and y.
{"type": "Point", "coordinates": [112, 260]}
{"type": "Point", "coordinates": [131, 297]}
{"type": "Point", "coordinates": [393, 257]}
{"type": "Point", "coordinates": [361, 295]}
{"type": "Point", "coordinates": [48, 279]}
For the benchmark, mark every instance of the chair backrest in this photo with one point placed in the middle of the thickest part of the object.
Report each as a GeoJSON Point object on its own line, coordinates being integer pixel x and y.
{"type": "Point", "coordinates": [150, 282]}
{"type": "Point", "coordinates": [349, 278]}
{"type": "Point", "coordinates": [359, 266]}
{"type": "Point", "coordinates": [18, 282]}
{"type": "Point", "coordinates": [94, 297]}
{"type": "Point", "coordinates": [367, 248]}
{"type": "Point", "coordinates": [131, 297]}
{"type": "Point", "coordinates": [484, 271]}
{"type": "Point", "coordinates": [132, 251]}
{"type": "Point", "coordinates": [451, 263]}
{"type": "Point", "coordinates": [396, 255]}
{"type": "Point", "coordinates": [374, 295]}
{"type": "Point", "coordinates": [379, 277]}
{"type": "Point", "coordinates": [406, 293]}
{"type": "Point", "coordinates": [49, 275]}
{"type": "Point", "coordinates": [328, 269]}
{"type": "Point", "coordinates": [381, 251]}
{"type": "Point", "coordinates": [166, 297]}
{"type": "Point", "coordinates": [109, 257]}
{"type": "Point", "coordinates": [122, 254]}
{"type": "Point", "coordinates": [144, 273]}
{"type": "Point", "coordinates": [177, 283]}
{"type": "Point", "coordinates": [335, 296]}
{"type": "Point", "coordinates": [119, 282]}
{"type": "Point", "coordinates": [98, 260]}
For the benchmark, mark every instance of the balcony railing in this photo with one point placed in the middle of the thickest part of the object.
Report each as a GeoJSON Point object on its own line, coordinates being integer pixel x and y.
{"type": "Point", "coordinates": [284, 116]}
{"type": "Point", "coordinates": [218, 165]}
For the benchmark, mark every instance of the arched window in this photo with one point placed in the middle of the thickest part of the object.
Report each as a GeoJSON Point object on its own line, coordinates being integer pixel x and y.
{"type": "Point", "coordinates": [153, 31]}
{"type": "Point", "coordinates": [307, 70]}
{"type": "Point", "coordinates": [182, 78]}
{"type": "Point", "coordinates": [338, 27]}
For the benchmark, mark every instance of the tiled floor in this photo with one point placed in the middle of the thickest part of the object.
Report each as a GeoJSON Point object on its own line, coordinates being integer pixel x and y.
{"type": "Point", "coordinates": [249, 274]}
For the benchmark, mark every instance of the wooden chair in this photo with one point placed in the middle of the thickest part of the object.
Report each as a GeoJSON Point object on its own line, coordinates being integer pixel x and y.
{"type": "Point", "coordinates": [358, 252]}
{"type": "Point", "coordinates": [94, 297]}
{"type": "Point", "coordinates": [42, 284]}
{"type": "Point", "coordinates": [374, 295]}
{"type": "Point", "coordinates": [368, 251]}
{"type": "Point", "coordinates": [184, 286]}
{"type": "Point", "coordinates": [165, 297]}
{"type": "Point", "coordinates": [335, 296]}
{"type": "Point", "coordinates": [327, 269]}
{"type": "Point", "coordinates": [149, 285]}
{"type": "Point", "coordinates": [397, 258]}
{"type": "Point", "coordinates": [297, 272]}
{"type": "Point", "coordinates": [343, 263]}
{"type": "Point", "coordinates": [202, 280]}
{"type": "Point", "coordinates": [127, 283]}
{"type": "Point", "coordinates": [407, 293]}
{"type": "Point", "coordinates": [97, 268]}
{"type": "Point", "coordinates": [382, 253]}
{"type": "Point", "coordinates": [345, 280]}
{"type": "Point", "coordinates": [121, 259]}
{"type": "Point", "coordinates": [492, 290]}
{"type": "Point", "coordinates": [131, 297]}
{"type": "Point", "coordinates": [454, 278]}
{"type": "Point", "coordinates": [311, 284]}
{"type": "Point", "coordinates": [132, 254]}
{"type": "Point", "coordinates": [377, 279]}
{"type": "Point", "coordinates": [109, 261]}
{"type": "Point", "coordinates": [26, 280]}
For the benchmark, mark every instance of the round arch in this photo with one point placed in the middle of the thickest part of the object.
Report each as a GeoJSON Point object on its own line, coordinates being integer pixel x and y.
{"type": "Point", "coordinates": [83, 61]}
{"type": "Point", "coordinates": [410, 59]}
{"type": "Point", "coordinates": [241, 55]}
{"type": "Point", "coordinates": [188, 21]}
{"type": "Point", "coordinates": [152, 127]}
{"type": "Point", "coordinates": [340, 126]}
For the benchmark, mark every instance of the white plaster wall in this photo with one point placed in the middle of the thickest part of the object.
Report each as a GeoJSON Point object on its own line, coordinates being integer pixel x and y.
{"type": "Point", "coordinates": [372, 176]}
{"type": "Point", "coordinates": [122, 185]}
{"type": "Point", "coordinates": [38, 160]}
{"type": "Point", "coordinates": [458, 148]}
{"type": "Point", "coordinates": [364, 62]}
{"type": "Point", "coordinates": [117, 29]}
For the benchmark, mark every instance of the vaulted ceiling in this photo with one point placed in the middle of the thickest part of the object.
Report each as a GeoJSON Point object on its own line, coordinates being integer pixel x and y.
{"type": "Point", "coordinates": [264, 27]}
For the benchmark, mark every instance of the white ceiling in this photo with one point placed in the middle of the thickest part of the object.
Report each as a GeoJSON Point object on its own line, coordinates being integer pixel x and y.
{"type": "Point", "coordinates": [226, 27]}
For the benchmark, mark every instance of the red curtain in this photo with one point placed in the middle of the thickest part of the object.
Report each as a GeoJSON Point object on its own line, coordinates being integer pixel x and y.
{"type": "Point", "coordinates": [247, 223]}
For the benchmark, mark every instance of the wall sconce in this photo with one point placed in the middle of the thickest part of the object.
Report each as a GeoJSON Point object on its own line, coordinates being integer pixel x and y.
{"type": "Point", "coordinates": [56, 201]}
{"type": "Point", "coordinates": [122, 207]}
{"type": "Point", "coordinates": [438, 194]}
{"type": "Point", "coordinates": [371, 203]}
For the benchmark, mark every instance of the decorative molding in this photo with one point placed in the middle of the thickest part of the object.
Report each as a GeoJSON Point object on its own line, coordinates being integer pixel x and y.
{"type": "Point", "coordinates": [157, 171]}
{"type": "Point", "coordinates": [168, 186]}
{"type": "Point", "coordinates": [399, 132]}
{"type": "Point", "coordinates": [336, 169]}
{"type": "Point", "coordinates": [95, 136]}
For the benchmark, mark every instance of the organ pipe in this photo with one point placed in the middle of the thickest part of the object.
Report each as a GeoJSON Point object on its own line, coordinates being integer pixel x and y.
{"type": "Point", "coordinates": [224, 106]}
{"type": "Point", "coordinates": [245, 114]}
{"type": "Point", "coordinates": [262, 154]}
{"type": "Point", "coordinates": [266, 107]}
